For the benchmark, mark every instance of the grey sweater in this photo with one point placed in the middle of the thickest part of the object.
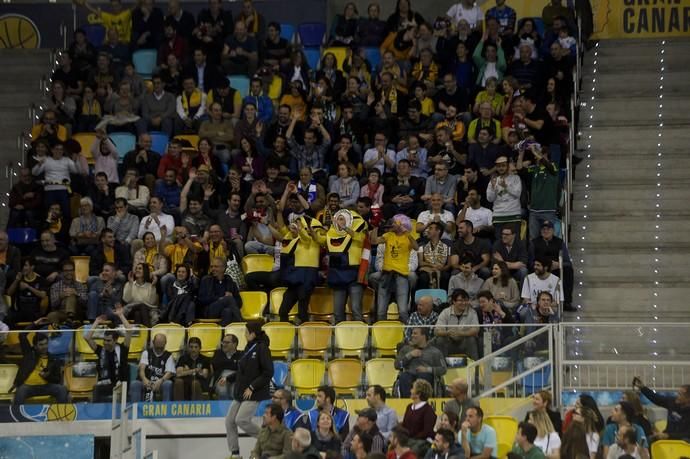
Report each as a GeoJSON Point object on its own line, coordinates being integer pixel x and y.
{"type": "Point", "coordinates": [151, 106]}
{"type": "Point", "coordinates": [125, 229]}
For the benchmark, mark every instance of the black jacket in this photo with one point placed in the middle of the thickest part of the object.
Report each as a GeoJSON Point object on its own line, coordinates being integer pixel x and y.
{"type": "Point", "coordinates": [255, 370]}
{"type": "Point", "coordinates": [30, 360]}
{"type": "Point", "coordinates": [123, 260]}
{"type": "Point", "coordinates": [678, 426]}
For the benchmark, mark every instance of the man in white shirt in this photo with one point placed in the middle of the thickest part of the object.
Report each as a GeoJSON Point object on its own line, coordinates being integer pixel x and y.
{"type": "Point", "coordinates": [467, 10]}
{"type": "Point", "coordinates": [439, 215]}
{"type": "Point", "coordinates": [156, 370]}
{"type": "Point", "coordinates": [380, 156]}
{"type": "Point", "coordinates": [56, 170]}
{"type": "Point", "coordinates": [541, 280]}
{"type": "Point", "coordinates": [472, 210]}
{"type": "Point", "coordinates": [156, 220]}
{"type": "Point", "coordinates": [626, 443]}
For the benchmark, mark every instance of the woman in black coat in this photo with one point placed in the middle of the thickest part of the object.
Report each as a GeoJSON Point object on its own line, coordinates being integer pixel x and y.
{"type": "Point", "coordinates": [254, 373]}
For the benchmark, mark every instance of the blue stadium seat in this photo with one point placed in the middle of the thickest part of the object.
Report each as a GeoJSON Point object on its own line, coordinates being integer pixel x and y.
{"type": "Point", "coordinates": [313, 57]}
{"type": "Point", "coordinates": [261, 407]}
{"type": "Point", "coordinates": [95, 34]}
{"type": "Point", "coordinates": [536, 381]}
{"type": "Point", "coordinates": [240, 83]}
{"type": "Point", "coordinates": [124, 142]}
{"type": "Point", "coordinates": [280, 374]}
{"type": "Point", "coordinates": [311, 33]}
{"type": "Point", "coordinates": [287, 31]}
{"type": "Point", "coordinates": [373, 55]}
{"type": "Point", "coordinates": [159, 142]}
{"type": "Point", "coordinates": [21, 235]}
{"type": "Point", "coordinates": [144, 61]}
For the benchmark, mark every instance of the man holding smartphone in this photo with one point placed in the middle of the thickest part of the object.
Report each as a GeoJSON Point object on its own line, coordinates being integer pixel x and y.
{"type": "Point", "coordinates": [678, 418]}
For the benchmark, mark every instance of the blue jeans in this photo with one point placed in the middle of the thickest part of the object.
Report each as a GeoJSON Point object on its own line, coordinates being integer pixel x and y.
{"type": "Point", "coordinates": [406, 379]}
{"type": "Point", "coordinates": [58, 391]}
{"type": "Point", "coordinates": [136, 390]}
{"type": "Point", "coordinates": [355, 291]}
{"type": "Point", "coordinates": [402, 293]}
{"type": "Point", "coordinates": [94, 308]}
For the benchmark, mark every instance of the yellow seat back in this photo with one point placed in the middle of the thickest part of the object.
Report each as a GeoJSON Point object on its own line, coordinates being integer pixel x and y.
{"type": "Point", "coordinates": [307, 375]}
{"type": "Point", "coordinates": [253, 304]}
{"type": "Point", "coordinates": [254, 262]}
{"type": "Point", "coordinates": [340, 54]}
{"type": "Point", "coordinates": [506, 427]}
{"type": "Point", "coordinates": [670, 449]}
{"type": "Point", "coordinates": [351, 338]}
{"type": "Point", "coordinates": [81, 268]}
{"type": "Point", "coordinates": [345, 375]}
{"type": "Point", "coordinates": [385, 336]}
{"type": "Point", "coordinates": [314, 338]}
{"type": "Point", "coordinates": [138, 342]}
{"type": "Point", "coordinates": [79, 386]}
{"type": "Point", "coordinates": [193, 139]}
{"type": "Point", "coordinates": [86, 141]}
{"type": "Point", "coordinates": [275, 89]}
{"type": "Point", "coordinates": [209, 334]}
{"type": "Point", "coordinates": [382, 371]}
{"type": "Point", "coordinates": [82, 346]}
{"type": "Point", "coordinates": [321, 304]}
{"type": "Point", "coordinates": [282, 338]}
{"type": "Point", "coordinates": [8, 372]}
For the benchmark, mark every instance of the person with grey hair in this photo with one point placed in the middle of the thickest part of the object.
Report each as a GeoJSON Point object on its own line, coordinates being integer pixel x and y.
{"type": "Point", "coordinates": [301, 443]}
{"type": "Point", "coordinates": [292, 417]}
{"type": "Point", "coordinates": [85, 229]}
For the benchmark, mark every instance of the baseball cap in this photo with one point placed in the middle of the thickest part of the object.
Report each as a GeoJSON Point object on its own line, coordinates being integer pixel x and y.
{"type": "Point", "coordinates": [204, 168]}
{"type": "Point", "coordinates": [547, 224]}
{"type": "Point", "coordinates": [501, 159]}
{"type": "Point", "coordinates": [368, 413]}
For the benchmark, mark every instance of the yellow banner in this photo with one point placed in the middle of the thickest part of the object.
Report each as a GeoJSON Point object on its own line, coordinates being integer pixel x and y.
{"type": "Point", "coordinates": [641, 18]}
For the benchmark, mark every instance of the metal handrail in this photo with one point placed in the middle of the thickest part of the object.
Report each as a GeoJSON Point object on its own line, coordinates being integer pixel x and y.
{"type": "Point", "coordinates": [488, 358]}
{"type": "Point", "coordinates": [514, 379]}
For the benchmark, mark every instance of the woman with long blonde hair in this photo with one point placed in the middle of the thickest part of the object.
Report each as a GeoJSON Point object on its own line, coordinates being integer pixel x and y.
{"type": "Point", "coordinates": [547, 438]}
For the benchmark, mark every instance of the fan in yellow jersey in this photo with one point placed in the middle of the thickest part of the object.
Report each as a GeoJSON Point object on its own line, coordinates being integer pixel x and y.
{"type": "Point", "coordinates": [299, 262]}
{"type": "Point", "coordinates": [344, 241]}
{"type": "Point", "coordinates": [399, 241]}
{"type": "Point", "coordinates": [117, 18]}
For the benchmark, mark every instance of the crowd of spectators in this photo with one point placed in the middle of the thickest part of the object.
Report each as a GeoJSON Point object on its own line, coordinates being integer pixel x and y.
{"type": "Point", "coordinates": [447, 152]}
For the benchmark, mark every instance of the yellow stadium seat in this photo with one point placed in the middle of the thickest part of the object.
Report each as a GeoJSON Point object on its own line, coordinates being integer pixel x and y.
{"type": "Point", "coordinates": [670, 449]}
{"type": "Point", "coordinates": [13, 351]}
{"type": "Point", "coordinates": [660, 425]}
{"type": "Point", "coordinates": [193, 139]}
{"type": "Point", "coordinates": [282, 338]}
{"type": "Point", "coordinates": [351, 338]}
{"type": "Point", "coordinates": [414, 232]}
{"type": "Point", "coordinates": [382, 372]}
{"type": "Point", "coordinates": [307, 375]}
{"type": "Point", "coordinates": [457, 372]}
{"type": "Point", "coordinates": [82, 346]}
{"type": "Point", "coordinates": [8, 372]}
{"type": "Point", "coordinates": [138, 342]}
{"type": "Point", "coordinates": [345, 376]}
{"type": "Point", "coordinates": [321, 304]}
{"type": "Point", "coordinates": [506, 427]}
{"type": "Point", "coordinates": [393, 313]}
{"type": "Point", "coordinates": [253, 304]}
{"type": "Point", "coordinates": [80, 387]}
{"type": "Point", "coordinates": [399, 405]}
{"type": "Point", "coordinates": [276, 299]}
{"type": "Point", "coordinates": [209, 334]}
{"type": "Point", "coordinates": [81, 268]}
{"type": "Point", "coordinates": [254, 262]}
{"type": "Point", "coordinates": [175, 334]}
{"type": "Point", "coordinates": [352, 405]}
{"type": "Point", "coordinates": [340, 54]}
{"type": "Point", "coordinates": [86, 140]}
{"type": "Point", "coordinates": [238, 329]}
{"type": "Point", "coordinates": [314, 338]}
{"type": "Point", "coordinates": [385, 337]}
{"type": "Point", "coordinates": [275, 89]}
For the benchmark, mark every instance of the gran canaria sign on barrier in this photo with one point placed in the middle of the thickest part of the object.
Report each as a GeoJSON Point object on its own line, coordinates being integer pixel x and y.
{"type": "Point", "coordinates": [641, 18]}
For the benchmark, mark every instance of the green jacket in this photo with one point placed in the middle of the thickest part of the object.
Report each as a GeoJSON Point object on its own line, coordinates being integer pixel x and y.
{"type": "Point", "coordinates": [273, 443]}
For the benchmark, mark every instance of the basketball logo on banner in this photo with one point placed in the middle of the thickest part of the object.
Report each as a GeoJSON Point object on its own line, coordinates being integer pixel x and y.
{"type": "Point", "coordinates": [18, 31]}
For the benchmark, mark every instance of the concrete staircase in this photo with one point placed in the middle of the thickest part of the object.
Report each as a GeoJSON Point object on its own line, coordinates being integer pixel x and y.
{"type": "Point", "coordinates": [630, 240]}
{"type": "Point", "coordinates": [20, 82]}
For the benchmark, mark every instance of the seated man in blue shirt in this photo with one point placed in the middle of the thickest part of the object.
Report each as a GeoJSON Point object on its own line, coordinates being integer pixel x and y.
{"type": "Point", "coordinates": [621, 416]}
{"type": "Point", "coordinates": [478, 439]}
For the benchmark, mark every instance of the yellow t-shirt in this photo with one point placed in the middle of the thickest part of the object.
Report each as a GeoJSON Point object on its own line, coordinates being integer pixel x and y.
{"type": "Point", "coordinates": [397, 255]}
{"type": "Point", "coordinates": [427, 106]}
{"type": "Point", "coordinates": [122, 22]}
{"type": "Point", "coordinates": [177, 253]}
{"type": "Point", "coordinates": [109, 254]}
{"type": "Point", "coordinates": [35, 378]}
